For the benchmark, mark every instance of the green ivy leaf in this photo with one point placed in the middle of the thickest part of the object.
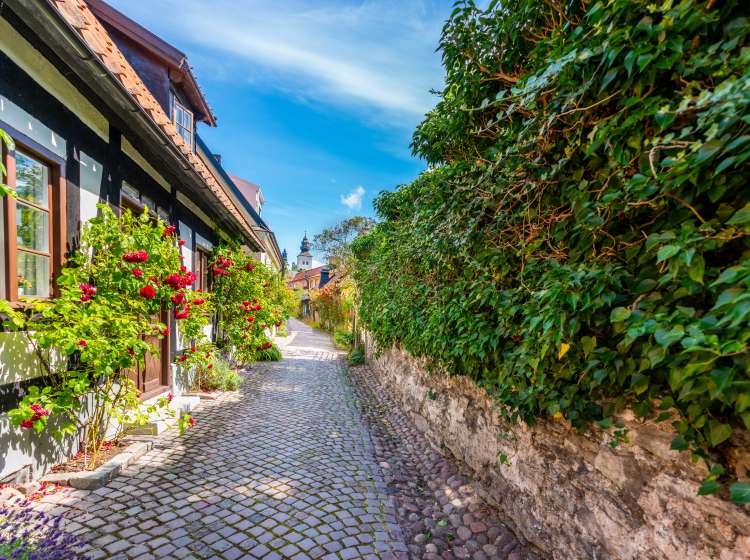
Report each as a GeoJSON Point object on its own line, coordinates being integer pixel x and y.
{"type": "Point", "coordinates": [739, 493]}
{"type": "Point", "coordinates": [718, 432]}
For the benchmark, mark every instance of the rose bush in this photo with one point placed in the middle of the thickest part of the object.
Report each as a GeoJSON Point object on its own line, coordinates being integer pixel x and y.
{"type": "Point", "coordinates": [250, 298]}
{"type": "Point", "coordinates": [111, 297]}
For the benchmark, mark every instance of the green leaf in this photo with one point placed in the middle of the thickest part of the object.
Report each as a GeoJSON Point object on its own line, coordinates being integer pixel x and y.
{"type": "Point", "coordinates": [666, 252]}
{"type": "Point", "coordinates": [739, 493]}
{"type": "Point", "coordinates": [679, 444]}
{"type": "Point", "coordinates": [718, 432]}
{"type": "Point", "coordinates": [619, 314]}
{"type": "Point", "coordinates": [709, 487]}
{"type": "Point", "coordinates": [741, 217]}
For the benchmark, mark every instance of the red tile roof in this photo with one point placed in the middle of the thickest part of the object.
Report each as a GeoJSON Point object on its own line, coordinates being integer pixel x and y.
{"type": "Point", "coordinates": [303, 274]}
{"type": "Point", "coordinates": [91, 30]}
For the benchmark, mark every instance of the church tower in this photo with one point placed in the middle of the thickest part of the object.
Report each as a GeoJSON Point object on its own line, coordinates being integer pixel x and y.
{"type": "Point", "coordinates": [304, 259]}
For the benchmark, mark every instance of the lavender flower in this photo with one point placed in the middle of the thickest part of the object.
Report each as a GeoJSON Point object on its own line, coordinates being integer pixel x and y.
{"type": "Point", "coordinates": [26, 534]}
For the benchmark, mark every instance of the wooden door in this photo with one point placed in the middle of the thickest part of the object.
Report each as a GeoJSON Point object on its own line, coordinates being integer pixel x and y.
{"type": "Point", "coordinates": [152, 377]}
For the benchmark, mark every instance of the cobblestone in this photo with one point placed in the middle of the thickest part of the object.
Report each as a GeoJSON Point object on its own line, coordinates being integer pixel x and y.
{"type": "Point", "coordinates": [309, 460]}
{"type": "Point", "coordinates": [282, 469]}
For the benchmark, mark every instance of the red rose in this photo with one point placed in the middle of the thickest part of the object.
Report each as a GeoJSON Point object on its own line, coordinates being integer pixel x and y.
{"type": "Point", "coordinates": [174, 281]}
{"type": "Point", "coordinates": [218, 271]}
{"type": "Point", "coordinates": [137, 272]}
{"type": "Point", "coordinates": [182, 314]}
{"type": "Point", "coordinates": [192, 422]}
{"type": "Point", "coordinates": [181, 242]}
{"type": "Point", "coordinates": [250, 268]}
{"type": "Point", "coordinates": [189, 278]}
{"type": "Point", "coordinates": [165, 332]}
{"type": "Point", "coordinates": [257, 308]}
{"type": "Point", "coordinates": [245, 303]}
{"type": "Point", "coordinates": [82, 343]}
{"type": "Point", "coordinates": [210, 366]}
{"type": "Point", "coordinates": [136, 257]}
{"type": "Point", "coordinates": [193, 349]}
{"type": "Point", "coordinates": [39, 410]}
{"type": "Point", "coordinates": [250, 319]}
{"type": "Point", "coordinates": [170, 397]}
{"type": "Point", "coordinates": [183, 357]}
{"type": "Point", "coordinates": [199, 301]}
{"type": "Point", "coordinates": [27, 424]}
{"type": "Point", "coordinates": [178, 298]}
{"type": "Point", "coordinates": [169, 231]}
{"type": "Point", "coordinates": [148, 291]}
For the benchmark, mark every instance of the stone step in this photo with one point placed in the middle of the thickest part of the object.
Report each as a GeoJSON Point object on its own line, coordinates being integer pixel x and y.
{"type": "Point", "coordinates": [161, 421]}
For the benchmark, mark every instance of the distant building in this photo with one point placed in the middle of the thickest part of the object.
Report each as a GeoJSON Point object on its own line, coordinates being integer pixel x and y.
{"type": "Point", "coordinates": [311, 279]}
{"type": "Point", "coordinates": [251, 191]}
{"type": "Point", "coordinates": [304, 259]}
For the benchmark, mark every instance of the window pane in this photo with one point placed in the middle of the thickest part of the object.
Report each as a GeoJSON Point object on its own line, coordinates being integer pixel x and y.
{"type": "Point", "coordinates": [178, 113]}
{"type": "Point", "coordinates": [33, 275]}
{"type": "Point", "coordinates": [148, 202]}
{"type": "Point", "coordinates": [32, 181]}
{"type": "Point", "coordinates": [129, 191]}
{"type": "Point", "coordinates": [32, 228]}
{"type": "Point", "coordinates": [163, 214]}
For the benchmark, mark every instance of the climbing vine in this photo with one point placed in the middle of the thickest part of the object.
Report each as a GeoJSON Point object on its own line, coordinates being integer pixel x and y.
{"type": "Point", "coordinates": [580, 242]}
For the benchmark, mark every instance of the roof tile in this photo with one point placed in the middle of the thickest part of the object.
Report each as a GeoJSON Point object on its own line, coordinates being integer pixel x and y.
{"type": "Point", "coordinates": [80, 17]}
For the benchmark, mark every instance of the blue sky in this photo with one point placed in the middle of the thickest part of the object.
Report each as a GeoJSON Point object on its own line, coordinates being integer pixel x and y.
{"type": "Point", "coordinates": [316, 100]}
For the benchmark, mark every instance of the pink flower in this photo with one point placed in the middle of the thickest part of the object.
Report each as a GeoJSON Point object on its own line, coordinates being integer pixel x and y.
{"type": "Point", "coordinates": [192, 422]}
{"type": "Point", "coordinates": [250, 267]}
{"type": "Point", "coordinates": [136, 257]}
{"type": "Point", "coordinates": [170, 397]}
{"type": "Point", "coordinates": [27, 424]}
{"type": "Point", "coordinates": [39, 410]}
{"type": "Point", "coordinates": [137, 272]}
{"type": "Point", "coordinates": [88, 291]}
{"type": "Point", "coordinates": [82, 343]}
{"type": "Point", "coordinates": [148, 292]}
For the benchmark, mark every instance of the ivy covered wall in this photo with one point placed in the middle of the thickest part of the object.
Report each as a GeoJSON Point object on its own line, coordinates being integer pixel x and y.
{"type": "Point", "coordinates": [580, 244]}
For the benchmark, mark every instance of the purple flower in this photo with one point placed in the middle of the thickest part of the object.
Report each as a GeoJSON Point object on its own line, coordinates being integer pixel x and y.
{"type": "Point", "coordinates": [32, 535]}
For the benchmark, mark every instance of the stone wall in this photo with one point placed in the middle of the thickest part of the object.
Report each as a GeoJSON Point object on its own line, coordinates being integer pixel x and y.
{"type": "Point", "coordinates": [568, 493]}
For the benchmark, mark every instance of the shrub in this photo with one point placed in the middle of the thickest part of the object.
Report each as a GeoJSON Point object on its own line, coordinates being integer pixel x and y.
{"type": "Point", "coordinates": [249, 298]}
{"type": "Point", "coordinates": [281, 331]}
{"type": "Point", "coordinates": [270, 354]}
{"type": "Point", "coordinates": [580, 242]}
{"type": "Point", "coordinates": [111, 295]}
{"type": "Point", "coordinates": [343, 338]}
{"type": "Point", "coordinates": [26, 534]}
{"type": "Point", "coordinates": [356, 357]}
{"type": "Point", "coordinates": [220, 377]}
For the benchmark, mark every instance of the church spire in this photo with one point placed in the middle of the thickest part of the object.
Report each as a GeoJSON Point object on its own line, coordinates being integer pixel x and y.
{"type": "Point", "coordinates": [304, 259]}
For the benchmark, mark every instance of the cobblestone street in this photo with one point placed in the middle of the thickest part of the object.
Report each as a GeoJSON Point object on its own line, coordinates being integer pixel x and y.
{"type": "Point", "coordinates": [286, 468]}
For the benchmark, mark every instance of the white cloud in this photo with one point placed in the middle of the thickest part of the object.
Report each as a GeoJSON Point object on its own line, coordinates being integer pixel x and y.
{"type": "Point", "coordinates": [353, 200]}
{"type": "Point", "coordinates": [376, 56]}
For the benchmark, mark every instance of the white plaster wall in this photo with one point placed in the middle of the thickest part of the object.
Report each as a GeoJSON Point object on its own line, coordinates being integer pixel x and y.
{"type": "Point", "coordinates": [44, 73]}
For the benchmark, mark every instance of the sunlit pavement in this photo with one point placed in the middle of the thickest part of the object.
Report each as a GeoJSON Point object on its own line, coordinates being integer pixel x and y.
{"type": "Point", "coordinates": [282, 469]}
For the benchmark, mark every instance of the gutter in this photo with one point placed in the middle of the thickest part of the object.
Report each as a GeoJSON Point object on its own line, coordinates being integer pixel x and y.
{"type": "Point", "coordinates": [52, 28]}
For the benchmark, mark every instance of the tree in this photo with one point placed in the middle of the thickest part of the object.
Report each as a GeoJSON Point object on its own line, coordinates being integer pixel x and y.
{"type": "Point", "coordinates": [336, 241]}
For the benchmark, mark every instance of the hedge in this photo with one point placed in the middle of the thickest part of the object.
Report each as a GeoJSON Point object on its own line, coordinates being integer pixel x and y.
{"type": "Point", "coordinates": [579, 243]}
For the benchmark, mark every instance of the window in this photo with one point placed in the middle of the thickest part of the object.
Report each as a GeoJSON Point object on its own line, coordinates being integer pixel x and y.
{"type": "Point", "coordinates": [183, 120]}
{"type": "Point", "coordinates": [34, 223]}
{"type": "Point", "coordinates": [202, 269]}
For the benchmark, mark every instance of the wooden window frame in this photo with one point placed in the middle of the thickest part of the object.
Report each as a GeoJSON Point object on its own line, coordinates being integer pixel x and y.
{"type": "Point", "coordinates": [179, 125]}
{"type": "Point", "coordinates": [57, 222]}
{"type": "Point", "coordinates": [204, 278]}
